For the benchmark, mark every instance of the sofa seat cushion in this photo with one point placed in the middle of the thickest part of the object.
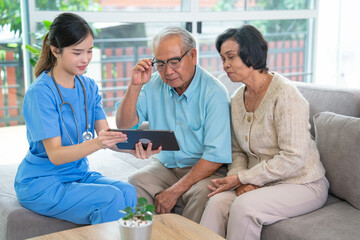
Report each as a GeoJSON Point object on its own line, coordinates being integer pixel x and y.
{"type": "Point", "coordinates": [332, 199]}
{"type": "Point", "coordinates": [338, 139]}
{"type": "Point", "coordinates": [336, 221]}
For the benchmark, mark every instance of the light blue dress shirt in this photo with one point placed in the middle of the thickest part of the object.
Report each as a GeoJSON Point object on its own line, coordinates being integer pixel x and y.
{"type": "Point", "coordinates": [200, 118]}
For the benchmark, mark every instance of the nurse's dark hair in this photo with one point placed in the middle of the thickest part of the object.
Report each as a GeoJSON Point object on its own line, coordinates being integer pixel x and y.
{"type": "Point", "coordinates": [253, 48]}
{"type": "Point", "coordinates": [67, 29]}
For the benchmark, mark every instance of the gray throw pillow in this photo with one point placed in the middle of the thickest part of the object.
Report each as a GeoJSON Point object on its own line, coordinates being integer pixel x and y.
{"type": "Point", "coordinates": [338, 138]}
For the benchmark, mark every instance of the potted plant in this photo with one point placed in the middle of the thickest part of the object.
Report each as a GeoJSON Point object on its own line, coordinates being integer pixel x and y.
{"type": "Point", "coordinates": [137, 222]}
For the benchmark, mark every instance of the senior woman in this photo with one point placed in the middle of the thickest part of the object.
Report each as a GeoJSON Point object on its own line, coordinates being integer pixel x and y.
{"type": "Point", "coordinates": [276, 171]}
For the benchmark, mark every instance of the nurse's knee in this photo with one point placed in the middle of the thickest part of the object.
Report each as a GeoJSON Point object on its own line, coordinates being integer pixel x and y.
{"type": "Point", "coordinates": [110, 193]}
{"type": "Point", "coordinates": [128, 189]}
{"type": "Point", "coordinates": [130, 195]}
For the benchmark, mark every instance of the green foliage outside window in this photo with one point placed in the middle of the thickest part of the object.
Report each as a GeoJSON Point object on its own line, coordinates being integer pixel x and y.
{"type": "Point", "coordinates": [36, 49]}
{"type": "Point", "coordinates": [229, 5]}
{"type": "Point", "coordinates": [295, 29]}
{"type": "Point", "coordinates": [68, 5]}
{"type": "Point", "coordinates": [10, 12]}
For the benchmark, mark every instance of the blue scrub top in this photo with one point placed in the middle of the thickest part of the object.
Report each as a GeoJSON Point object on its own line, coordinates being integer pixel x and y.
{"type": "Point", "coordinates": [200, 118]}
{"type": "Point", "coordinates": [42, 114]}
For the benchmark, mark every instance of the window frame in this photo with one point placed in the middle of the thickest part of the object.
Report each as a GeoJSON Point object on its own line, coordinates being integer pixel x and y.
{"type": "Point", "coordinates": [193, 16]}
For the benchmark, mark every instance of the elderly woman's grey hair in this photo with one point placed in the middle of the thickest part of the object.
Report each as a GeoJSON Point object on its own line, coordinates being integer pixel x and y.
{"type": "Point", "coordinates": [187, 38]}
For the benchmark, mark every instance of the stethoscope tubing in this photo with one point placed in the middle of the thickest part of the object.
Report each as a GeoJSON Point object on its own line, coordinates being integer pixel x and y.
{"type": "Point", "coordinates": [87, 134]}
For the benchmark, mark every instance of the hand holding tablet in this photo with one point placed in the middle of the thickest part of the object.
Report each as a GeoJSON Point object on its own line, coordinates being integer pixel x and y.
{"type": "Point", "coordinates": [164, 138]}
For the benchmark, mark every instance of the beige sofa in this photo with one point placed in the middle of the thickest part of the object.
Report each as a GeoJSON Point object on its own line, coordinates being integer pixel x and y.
{"type": "Point", "coordinates": [338, 138]}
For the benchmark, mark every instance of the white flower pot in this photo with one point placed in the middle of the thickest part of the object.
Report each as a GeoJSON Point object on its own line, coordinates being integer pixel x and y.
{"type": "Point", "coordinates": [134, 230]}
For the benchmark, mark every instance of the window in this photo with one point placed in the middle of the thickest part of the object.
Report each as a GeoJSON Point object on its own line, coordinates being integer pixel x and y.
{"type": "Point", "coordinates": [112, 5]}
{"type": "Point", "coordinates": [288, 46]}
{"type": "Point", "coordinates": [124, 30]}
{"type": "Point", "coordinates": [253, 5]}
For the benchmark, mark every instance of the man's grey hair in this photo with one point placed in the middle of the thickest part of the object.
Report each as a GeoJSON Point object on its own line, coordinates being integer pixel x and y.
{"type": "Point", "coordinates": [187, 38]}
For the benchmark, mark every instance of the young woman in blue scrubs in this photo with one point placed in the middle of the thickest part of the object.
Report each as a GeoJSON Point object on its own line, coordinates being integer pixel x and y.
{"type": "Point", "coordinates": [62, 108]}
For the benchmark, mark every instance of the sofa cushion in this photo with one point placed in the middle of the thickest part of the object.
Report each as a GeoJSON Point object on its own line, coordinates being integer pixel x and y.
{"type": "Point", "coordinates": [336, 221]}
{"type": "Point", "coordinates": [338, 139]}
{"type": "Point", "coordinates": [330, 99]}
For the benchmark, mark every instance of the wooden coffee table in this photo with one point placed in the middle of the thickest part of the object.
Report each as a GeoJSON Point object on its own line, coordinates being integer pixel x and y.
{"type": "Point", "coordinates": [165, 226]}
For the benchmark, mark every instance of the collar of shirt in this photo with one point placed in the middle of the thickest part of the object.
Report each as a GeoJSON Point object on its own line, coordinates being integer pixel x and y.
{"type": "Point", "coordinates": [190, 91]}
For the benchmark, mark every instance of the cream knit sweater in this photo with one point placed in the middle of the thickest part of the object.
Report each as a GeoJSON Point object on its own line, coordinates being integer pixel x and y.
{"type": "Point", "coordinates": [274, 144]}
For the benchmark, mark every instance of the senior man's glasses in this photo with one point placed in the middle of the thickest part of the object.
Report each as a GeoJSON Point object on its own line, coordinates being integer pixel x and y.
{"type": "Point", "coordinates": [172, 62]}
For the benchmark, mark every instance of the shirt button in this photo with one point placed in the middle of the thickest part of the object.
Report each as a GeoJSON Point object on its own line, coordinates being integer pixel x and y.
{"type": "Point", "coordinates": [179, 162]}
{"type": "Point", "coordinates": [179, 102]}
{"type": "Point", "coordinates": [246, 138]}
{"type": "Point", "coordinates": [179, 123]}
{"type": "Point", "coordinates": [249, 119]}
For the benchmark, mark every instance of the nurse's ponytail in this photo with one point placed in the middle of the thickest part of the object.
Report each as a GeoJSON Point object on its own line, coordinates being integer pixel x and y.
{"type": "Point", "coordinates": [46, 60]}
{"type": "Point", "coordinates": [67, 29]}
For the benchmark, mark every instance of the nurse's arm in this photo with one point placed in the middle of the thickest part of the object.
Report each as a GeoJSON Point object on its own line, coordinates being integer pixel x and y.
{"type": "Point", "coordinates": [103, 125]}
{"type": "Point", "coordinates": [59, 154]}
{"type": "Point", "coordinates": [139, 152]}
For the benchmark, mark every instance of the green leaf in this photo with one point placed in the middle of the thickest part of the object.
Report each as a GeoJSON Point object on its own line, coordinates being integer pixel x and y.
{"type": "Point", "coordinates": [47, 24]}
{"type": "Point", "coordinates": [33, 62]}
{"type": "Point", "coordinates": [142, 201]}
{"type": "Point", "coordinates": [127, 217]}
{"type": "Point", "coordinates": [12, 45]}
{"type": "Point", "coordinates": [150, 208]}
{"type": "Point", "coordinates": [32, 49]}
{"type": "Point", "coordinates": [148, 217]}
{"type": "Point", "coordinates": [128, 210]}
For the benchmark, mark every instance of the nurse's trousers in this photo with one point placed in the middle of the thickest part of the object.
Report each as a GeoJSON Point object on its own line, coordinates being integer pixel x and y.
{"type": "Point", "coordinates": [93, 199]}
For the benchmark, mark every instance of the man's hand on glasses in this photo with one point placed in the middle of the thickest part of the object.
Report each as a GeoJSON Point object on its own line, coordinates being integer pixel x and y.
{"type": "Point", "coordinates": [141, 73]}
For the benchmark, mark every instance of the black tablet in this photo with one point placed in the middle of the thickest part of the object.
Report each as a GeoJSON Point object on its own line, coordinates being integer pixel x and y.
{"type": "Point", "coordinates": [164, 138]}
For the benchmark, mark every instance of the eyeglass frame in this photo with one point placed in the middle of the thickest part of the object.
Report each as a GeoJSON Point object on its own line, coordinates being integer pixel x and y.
{"type": "Point", "coordinates": [167, 61]}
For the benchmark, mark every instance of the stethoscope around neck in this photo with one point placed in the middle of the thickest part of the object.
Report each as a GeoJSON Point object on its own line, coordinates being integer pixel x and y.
{"type": "Point", "coordinates": [87, 135]}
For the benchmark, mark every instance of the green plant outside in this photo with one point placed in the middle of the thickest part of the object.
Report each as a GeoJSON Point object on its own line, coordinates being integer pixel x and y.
{"type": "Point", "coordinates": [10, 12]}
{"type": "Point", "coordinates": [266, 27]}
{"type": "Point", "coordinates": [35, 49]}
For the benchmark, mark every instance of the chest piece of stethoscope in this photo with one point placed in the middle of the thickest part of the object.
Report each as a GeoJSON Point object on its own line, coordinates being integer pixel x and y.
{"type": "Point", "coordinates": [87, 135]}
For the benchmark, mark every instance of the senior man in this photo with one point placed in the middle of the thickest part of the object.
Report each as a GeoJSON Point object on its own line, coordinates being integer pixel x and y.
{"type": "Point", "coordinates": [183, 97]}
